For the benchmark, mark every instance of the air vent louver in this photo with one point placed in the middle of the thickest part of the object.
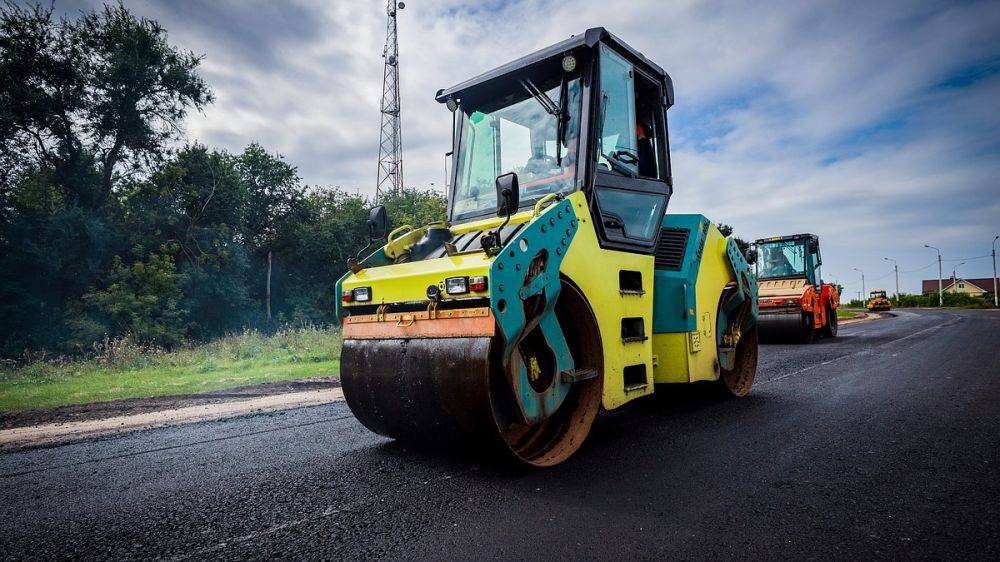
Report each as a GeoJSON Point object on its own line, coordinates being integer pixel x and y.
{"type": "Point", "coordinates": [671, 247]}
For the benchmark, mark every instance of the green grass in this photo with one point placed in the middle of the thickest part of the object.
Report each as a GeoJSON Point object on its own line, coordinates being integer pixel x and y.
{"type": "Point", "coordinates": [120, 369]}
{"type": "Point", "coordinates": [845, 314]}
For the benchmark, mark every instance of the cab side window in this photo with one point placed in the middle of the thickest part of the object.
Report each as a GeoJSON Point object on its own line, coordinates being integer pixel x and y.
{"type": "Point", "coordinates": [630, 152]}
{"type": "Point", "coordinates": [631, 134]}
{"type": "Point", "coordinates": [617, 150]}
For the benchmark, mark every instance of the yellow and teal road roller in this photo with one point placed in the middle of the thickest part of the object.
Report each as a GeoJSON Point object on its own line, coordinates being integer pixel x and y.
{"type": "Point", "coordinates": [558, 284]}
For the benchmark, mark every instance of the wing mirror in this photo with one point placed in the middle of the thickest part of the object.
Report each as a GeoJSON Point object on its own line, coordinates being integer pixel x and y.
{"type": "Point", "coordinates": [378, 222]}
{"type": "Point", "coordinates": [508, 200]}
{"type": "Point", "coordinates": [508, 195]}
{"type": "Point", "coordinates": [378, 227]}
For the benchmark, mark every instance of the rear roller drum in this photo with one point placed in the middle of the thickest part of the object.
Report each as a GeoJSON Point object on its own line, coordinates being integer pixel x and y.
{"type": "Point", "coordinates": [736, 382]}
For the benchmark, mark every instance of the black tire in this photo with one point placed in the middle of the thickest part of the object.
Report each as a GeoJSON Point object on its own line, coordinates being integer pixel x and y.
{"type": "Point", "coordinates": [808, 331]}
{"type": "Point", "coordinates": [830, 330]}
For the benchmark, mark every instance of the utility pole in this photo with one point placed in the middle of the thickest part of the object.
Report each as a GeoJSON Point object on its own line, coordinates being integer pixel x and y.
{"type": "Point", "coordinates": [863, 291]}
{"type": "Point", "coordinates": [267, 291]}
{"type": "Point", "coordinates": [940, 283]}
{"type": "Point", "coordinates": [995, 303]}
{"type": "Point", "coordinates": [954, 276]}
{"type": "Point", "coordinates": [895, 268]}
{"type": "Point", "coordinates": [390, 147]}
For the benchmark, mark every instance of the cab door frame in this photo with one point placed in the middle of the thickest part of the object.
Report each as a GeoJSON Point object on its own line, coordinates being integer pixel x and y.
{"type": "Point", "coordinates": [612, 230]}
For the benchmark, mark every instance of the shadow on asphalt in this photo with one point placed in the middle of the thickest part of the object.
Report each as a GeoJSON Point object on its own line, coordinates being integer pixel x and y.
{"type": "Point", "coordinates": [641, 423]}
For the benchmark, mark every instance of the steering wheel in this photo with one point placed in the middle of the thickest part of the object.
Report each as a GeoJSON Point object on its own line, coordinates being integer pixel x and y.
{"type": "Point", "coordinates": [625, 156]}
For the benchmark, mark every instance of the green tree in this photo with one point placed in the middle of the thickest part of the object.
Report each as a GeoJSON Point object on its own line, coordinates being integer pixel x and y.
{"type": "Point", "coordinates": [275, 202]}
{"type": "Point", "coordinates": [727, 230]}
{"type": "Point", "coordinates": [415, 207]}
{"type": "Point", "coordinates": [331, 232]}
{"type": "Point", "coordinates": [140, 300]}
{"type": "Point", "coordinates": [196, 202]}
{"type": "Point", "coordinates": [99, 92]}
{"type": "Point", "coordinates": [81, 100]}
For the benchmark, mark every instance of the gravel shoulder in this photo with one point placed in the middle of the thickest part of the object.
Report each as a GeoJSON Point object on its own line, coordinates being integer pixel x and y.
{"type": "Point", "coordinates": [139, 406]}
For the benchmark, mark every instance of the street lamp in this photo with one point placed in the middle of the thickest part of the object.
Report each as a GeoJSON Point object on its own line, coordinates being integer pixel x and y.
{"type": "Point", "coordinates": [895, 267]}
{"type": "Point", "coordinates": [995, 303]}
{"type": "Point", "coordinates": [940, 283]}
{"type": "Point", "coordinates": [863, 292]}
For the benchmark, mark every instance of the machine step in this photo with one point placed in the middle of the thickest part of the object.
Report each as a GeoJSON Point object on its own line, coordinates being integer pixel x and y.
{"type": "Point", "coordinates": [578, 375]}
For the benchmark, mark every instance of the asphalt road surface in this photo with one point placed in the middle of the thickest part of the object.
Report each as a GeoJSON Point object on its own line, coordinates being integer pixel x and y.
{"type": "Point", "coordinates": [882, 443]}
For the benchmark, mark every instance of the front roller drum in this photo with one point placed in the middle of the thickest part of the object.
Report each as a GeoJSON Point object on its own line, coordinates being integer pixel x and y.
{"type": "Point", "coordinates": [785, 328]}
{"type": "Point", "coordinates": [418, 389]}
{"type": "Point", "coordinates": [448, 391]}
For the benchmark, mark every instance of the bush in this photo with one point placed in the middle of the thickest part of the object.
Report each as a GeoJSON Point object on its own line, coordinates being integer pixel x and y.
{"type": "Point", "coordinates": [140, 301]}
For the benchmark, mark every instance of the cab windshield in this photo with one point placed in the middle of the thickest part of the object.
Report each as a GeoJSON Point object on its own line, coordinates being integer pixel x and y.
{"type": "Point", "coordinates": [516, 131]}
{"type": "Point", "coordinates": [785, 258]}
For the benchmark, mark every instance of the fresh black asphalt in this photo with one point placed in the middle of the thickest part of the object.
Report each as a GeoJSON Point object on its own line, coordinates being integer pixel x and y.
{"type": "Point", "coordinates": [884, 443]}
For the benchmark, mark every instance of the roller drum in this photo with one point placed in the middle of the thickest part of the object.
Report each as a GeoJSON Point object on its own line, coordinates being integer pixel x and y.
{"type": "Point", "coordinates": [434, 390]}
{"type": "Point", "coordinates": [781, 327]}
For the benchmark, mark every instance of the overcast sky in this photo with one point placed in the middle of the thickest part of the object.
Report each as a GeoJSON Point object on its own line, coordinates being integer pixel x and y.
{"type": "Point", "coordinates": [872, 124]}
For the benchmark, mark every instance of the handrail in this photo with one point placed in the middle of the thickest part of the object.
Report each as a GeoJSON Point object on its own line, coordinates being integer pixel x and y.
{"type": "Point", "coordinates": [392, 235]}
{"type": "Point", "coordinates": [541, 202]}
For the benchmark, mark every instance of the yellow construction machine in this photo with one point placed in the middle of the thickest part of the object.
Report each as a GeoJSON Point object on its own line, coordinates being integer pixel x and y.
{"type": "Point", "coordinates": [878, 302]}
{"type": "Point", "coordinates": [558, 284]}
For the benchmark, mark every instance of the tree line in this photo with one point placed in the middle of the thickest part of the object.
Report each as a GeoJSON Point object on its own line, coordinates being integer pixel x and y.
{"type": "Point", "coordinates": [109, 227]}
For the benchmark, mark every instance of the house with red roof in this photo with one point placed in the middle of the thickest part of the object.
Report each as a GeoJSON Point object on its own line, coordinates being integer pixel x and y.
{"type": "Point", "coordinates": [972, 287]}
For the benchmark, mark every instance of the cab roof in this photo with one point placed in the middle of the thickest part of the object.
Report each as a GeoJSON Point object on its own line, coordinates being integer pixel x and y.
{"type": "Point", "coordinates": [805, 236]}
{"type": "Point", "coordinates": [589, 38]}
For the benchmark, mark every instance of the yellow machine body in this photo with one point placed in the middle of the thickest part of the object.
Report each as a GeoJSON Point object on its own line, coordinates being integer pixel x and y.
{"type": "Point", "coordinates": [678, 357]}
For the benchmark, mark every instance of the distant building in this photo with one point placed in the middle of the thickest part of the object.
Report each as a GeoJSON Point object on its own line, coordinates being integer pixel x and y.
{"type": "Point", "coordinates": [972, 287]}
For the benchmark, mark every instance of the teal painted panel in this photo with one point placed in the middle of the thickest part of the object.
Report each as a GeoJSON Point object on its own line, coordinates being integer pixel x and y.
{"type": "Point", "coordinates": [674, 291]}
{"type": "Point", "coordinates": [551, 233]}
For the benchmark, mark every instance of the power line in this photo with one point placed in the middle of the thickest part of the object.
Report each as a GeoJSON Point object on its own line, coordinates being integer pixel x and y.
{"type": "Point", "coordinates": [920, 268]}
{"type": "Point", "coordinates": [973, 258]}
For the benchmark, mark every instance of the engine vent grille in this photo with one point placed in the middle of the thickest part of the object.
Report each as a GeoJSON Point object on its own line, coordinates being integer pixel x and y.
{"type": "Point", "coordinates": [670, 248]}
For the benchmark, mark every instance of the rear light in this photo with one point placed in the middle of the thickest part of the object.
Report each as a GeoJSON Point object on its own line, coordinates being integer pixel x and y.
{"type": "Point", "coordinates": [456, 285]}
{"type": "Point", "coordinates": [347, 296]}
{"type": "Point", "coordinates": [363, 294]}
{"type": "Point", "coordinates": [477, 283]}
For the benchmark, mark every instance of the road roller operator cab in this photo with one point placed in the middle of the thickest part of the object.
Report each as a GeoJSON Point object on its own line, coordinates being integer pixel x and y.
{"type": "Point", "coordinates": [794, 301]}
{"type": "Point", "coordinates": [558, 284]}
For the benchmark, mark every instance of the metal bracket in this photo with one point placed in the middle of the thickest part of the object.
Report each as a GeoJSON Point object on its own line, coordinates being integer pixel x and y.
{"type": "Point", "coordinates": [535, 286]}
{"type": "Point", "coordinates": [512, 294]}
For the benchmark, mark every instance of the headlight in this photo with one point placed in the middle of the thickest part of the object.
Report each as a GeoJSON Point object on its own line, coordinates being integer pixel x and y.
{"type": "Point", "coordinates": [363, 294]}
{"type": "Point", "coordinates": [456, 285]}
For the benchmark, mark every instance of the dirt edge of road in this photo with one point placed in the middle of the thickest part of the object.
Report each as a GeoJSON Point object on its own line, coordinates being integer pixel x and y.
{"type": "Point", "coordinates": [865, 317]}
{"type": "Point", "coordinates": [139, 406]}
{"type": "Point", "coordinates": [217, 408]}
